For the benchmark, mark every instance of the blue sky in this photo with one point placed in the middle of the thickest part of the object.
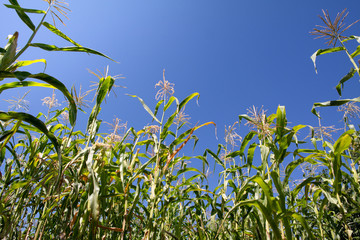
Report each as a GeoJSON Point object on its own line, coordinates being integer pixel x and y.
{"type": "Point", "coordinates": [235, 53]}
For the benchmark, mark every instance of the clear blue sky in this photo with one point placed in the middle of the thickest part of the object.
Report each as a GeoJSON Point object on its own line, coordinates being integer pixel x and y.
{"type": "Point", "coordinates": [235, 53]}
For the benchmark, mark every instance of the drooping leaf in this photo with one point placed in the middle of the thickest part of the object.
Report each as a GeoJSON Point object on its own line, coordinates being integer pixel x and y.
{"type": "Point", "coordinates": [217, 159]}
{"type": "Point", "coordinates": [48, 47]}
{"type": "Point", "coordinates": [170, 101]}
{"type": "Point", "coordinates": [348, 76]}
{"type": "Point", "coordinates": [324, 51]}
{"type": "Point", "coordinates": [146, 108]}
{"type": "Point", "coordinates": [332, 103]}
{"type": "Point", "coordinates": [6, 116]}
{"type": "Point", "coordinates": [50, 80]}
{"type": "Point", "coordinates": [187, 99]}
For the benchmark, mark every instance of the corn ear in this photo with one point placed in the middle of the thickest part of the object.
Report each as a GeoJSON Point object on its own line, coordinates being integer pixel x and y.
{"type": "Point", "coordinates": [7, 58]}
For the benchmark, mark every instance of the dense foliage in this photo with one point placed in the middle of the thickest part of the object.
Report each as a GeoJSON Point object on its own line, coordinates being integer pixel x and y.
{"type": "Point", "coordinates": [59, 183]}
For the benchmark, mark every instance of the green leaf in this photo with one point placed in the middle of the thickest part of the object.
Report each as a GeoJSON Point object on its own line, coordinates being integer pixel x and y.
{"type": "Point", "coordinates": [157, 106]}
{"type": "Point", "coordinates": [264, 210]}
{"type": "Point", "coordinates": [340, 86]}
{"type": "Point", "coordinates": [279, 187]}
{"type": "Point", "coordinates": [332, 103]}
{"type": "Point", "coordinates": [7, 135]}
{"type": "Point", "coordinates": [20, 75]}
{"type": "Point", "coordinates": [343, 143]}
{"type": "Point", "coordinates": [19, 184]}
{"type": "Point", "coordinates": [246, 141]}
{"type": "Point", "coordinates": [217, 159]}
{"type": "Point", "coordinates": [105, 86]}
{"type": "Point", "coordinates": [294, 164]}
{"type": "Point", "coordinates": [170, 101]}
{"type": "Point", "coordinates": [357, 51]}
{"type": "Point", "coordinates": [23, 16]}
{"type": "Point", "coordinates": [265, 187]}
{"type": "Point", "coordinates": [324, 51]}
{"type": "Point", "coordinates": [25, 117]}
{"type": "Point", "coordinates": [23, 84]}
{"type": "Point", "coordinates": [168, 123]}
{"type": "Point", "coordinates": [146, 108]}
{"type": "Point", "coordinates": [303, 222]}
{"type": "Point", "coordinates": [50, 80]}
{"type": "Point", "coordinates": [304, 183]}
{"type": "Point", "coordinates": [68, 49]}
{"type": "Point", "coordinates": [187, 99]}
{"type": "Point", "coordinates": [250, 155]}
{"type": "Point", "coordinates": [25, 63]}
{"type": "Point", "coordinates": [59, 33]}
{"type": "Point", "coordinates": [246, 117]}
{"type": "Point", "coordinates": [281, 121]}
{"type": "Point", "coordinates": [17, 7]}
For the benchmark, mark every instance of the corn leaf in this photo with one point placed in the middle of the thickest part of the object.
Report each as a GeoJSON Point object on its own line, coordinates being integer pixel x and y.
{"type": "Point", "coordinates": [348, 76]}
{"type": "Point", "coordinates": [146, 108]}
{"type": "Point", "coordinates": [324, 51]}
{"type": "Point", "coordinates": [23, 16]}
{"type": "Point", "coordinates": [17, 7]}
{"type": "Point", "coordinates": [48, 47]}
{"type": "Point", "coordinates": [59, 33]}
{"type": "Point", "coordinates": [332, 103]}
{"type": "Point", "coordinates": [50, 80]}
{"type": "Point", "coordinates": [23, 84]}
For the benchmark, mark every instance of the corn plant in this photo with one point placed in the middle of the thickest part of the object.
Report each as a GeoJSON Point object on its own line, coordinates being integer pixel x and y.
{"type": "Point", "coordinates": [63, 183]}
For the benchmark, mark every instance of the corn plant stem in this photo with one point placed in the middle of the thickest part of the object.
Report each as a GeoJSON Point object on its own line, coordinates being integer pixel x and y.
{"type": "Point", "coordinates": [32, 35]}
{"type": "Point", "coordinates": [319, 221]}
{"type": "Point", "coordinates": [41, 221]}
{"type": "Point", "coordinates": [157, 172]}
{"type": "Point", "coordinates": [343, 211]}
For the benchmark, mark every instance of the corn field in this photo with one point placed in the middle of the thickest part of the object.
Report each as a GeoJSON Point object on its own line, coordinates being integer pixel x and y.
{"type": "Point", "coordinates": [57, 182]}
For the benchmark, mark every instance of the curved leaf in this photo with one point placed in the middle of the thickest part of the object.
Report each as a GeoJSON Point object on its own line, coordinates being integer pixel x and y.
{"type": "Point", "coordinates": [25, 63]}
{"type": "Point", "coordinates": [187, 99]}
{"type": "Point", "coordinates": [324, 51]}
{"type": "Point", "coordinates": [50, 80]}
{"type": "Point", "coordinates": [48, 47]}
{"type": "Point", "coordinates": [146, 108]}
{"type": "Point", "coordinates": [340, 86]}
{"type": "Point", "coordinates": [25, 117]}
{"type": "Point", "coordinates": [23, 84]}
{"type": "Point", "coordinates": [332, 103]}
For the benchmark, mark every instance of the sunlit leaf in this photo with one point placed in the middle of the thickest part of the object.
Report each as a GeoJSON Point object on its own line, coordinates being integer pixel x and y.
{"type": "Point", "coordinates": [27, 10]}
{"type": "Point", "coordinates": [59, 33]}
{"type": "Point", "coordinates": [25, 18]}
{"type": "Point", "coordinates": [324, 51]}
{"type": "Point", "coordinates": [48, 47]}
